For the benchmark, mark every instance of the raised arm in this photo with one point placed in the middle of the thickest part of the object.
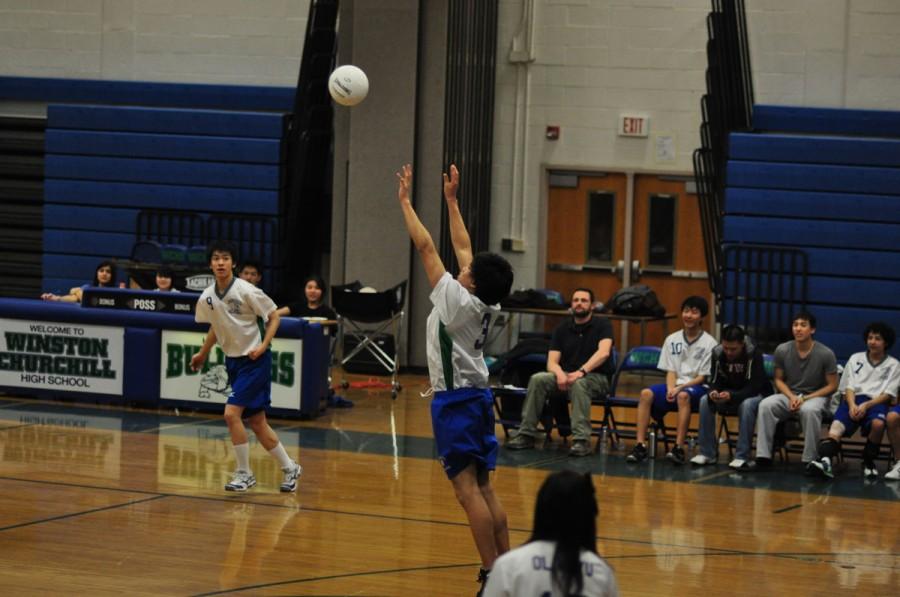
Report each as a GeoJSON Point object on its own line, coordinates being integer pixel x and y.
{"type": "Point", "coordinates": [459, 236]}
{"type": "Point", "coordinates": [421, 238]}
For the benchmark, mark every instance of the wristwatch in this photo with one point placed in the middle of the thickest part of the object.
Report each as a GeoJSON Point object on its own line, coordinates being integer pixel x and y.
{"type": "Point", "coordinates": [583, 372]}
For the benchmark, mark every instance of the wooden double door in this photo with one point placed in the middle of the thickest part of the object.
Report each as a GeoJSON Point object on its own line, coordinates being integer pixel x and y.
{"type": "Point", "coordinates": [606, 230]}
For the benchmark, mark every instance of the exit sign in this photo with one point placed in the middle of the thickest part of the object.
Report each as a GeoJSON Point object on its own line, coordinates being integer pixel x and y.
{"type": "Point", "coordinates": [634, 125]}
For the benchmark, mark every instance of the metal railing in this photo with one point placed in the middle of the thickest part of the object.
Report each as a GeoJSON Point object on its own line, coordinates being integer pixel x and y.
{"type": "Point", "coordinates": [726, 107]}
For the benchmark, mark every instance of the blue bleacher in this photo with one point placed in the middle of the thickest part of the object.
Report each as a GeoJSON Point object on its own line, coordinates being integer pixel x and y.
{"type": "Point", "coordinates": [827, 182]}
{"type": "Point", "coordinates": [105, 164]}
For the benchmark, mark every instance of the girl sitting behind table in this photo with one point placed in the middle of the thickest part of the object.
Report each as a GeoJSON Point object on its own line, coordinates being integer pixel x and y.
{"type": "Point", "coordinates": [104, 276]}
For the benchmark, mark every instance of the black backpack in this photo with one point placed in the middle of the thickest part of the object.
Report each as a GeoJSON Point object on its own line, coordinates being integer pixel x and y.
{"type": "Point", "coordinates": [635, 300]}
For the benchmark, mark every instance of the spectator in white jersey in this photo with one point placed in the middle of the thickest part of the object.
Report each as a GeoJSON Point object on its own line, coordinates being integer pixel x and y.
{"type": "Point", "coordinates": [560, 557]}
{"type": "Point", "coordinates": [685, 357]}
{"type": "Point", "coordinates": [462, 414]}
{"type": "Point", "coordinates": [236, 310]}
{"type": "Point", "coordinates": [868, 384]}
{"type": "Point", "coordinates": [805, 378]}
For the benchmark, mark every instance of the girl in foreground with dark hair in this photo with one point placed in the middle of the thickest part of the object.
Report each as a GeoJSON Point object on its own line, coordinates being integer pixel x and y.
{"type": "Point", "coordinates": [314, 303]}
{"type": "Point", "coordinates": [561, 557]}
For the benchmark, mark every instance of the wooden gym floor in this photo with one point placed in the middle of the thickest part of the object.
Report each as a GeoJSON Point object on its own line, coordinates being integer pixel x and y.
{"type": "Point", "coordinates": [108, 500]}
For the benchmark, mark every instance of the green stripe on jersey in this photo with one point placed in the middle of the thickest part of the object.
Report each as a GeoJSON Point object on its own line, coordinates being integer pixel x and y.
{"type": "Point", "coordinates": [446, 343]}
{"type": "Point", "coordinates": [262, 327]}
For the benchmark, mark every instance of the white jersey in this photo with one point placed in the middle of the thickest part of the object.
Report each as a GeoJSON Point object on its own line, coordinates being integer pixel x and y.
{"type": "Point", "coordinates": [457, 329]}
{"type": "Point", "coordinates": [687, 359]}
{"type": "Point", "coordinates": [237, 316]}
{"type": "Point", "coordinates": [525, 572]}
{"type": "Point", "coordinates": [871, 380]}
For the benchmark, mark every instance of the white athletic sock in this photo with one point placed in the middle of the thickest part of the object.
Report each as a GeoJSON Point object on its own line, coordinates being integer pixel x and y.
{"type": "Point", "coordinates": [281, 456]}
{"type": "Point", "coordinates": [242, 453]}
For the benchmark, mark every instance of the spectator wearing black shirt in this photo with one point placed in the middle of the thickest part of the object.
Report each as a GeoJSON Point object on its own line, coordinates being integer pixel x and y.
{"type": "Point", "coordinates": [314, 305]}
{"type": "Point", "coordinates": [579, 365]}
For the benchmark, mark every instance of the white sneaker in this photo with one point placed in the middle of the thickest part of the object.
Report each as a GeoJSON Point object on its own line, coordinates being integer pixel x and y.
{"type": "Point", "coordinates": [869, 470]}
{"type": "Point", "coordinates": [291, 474]}
{"type": "Point", "coordinates": [894, 473]}
{"type": "Point", "coordinates": [701, 460]}
{"type": "Point", "coordinates": [739, 464]}
{"type": "Point", "coordinates": [241, 481]}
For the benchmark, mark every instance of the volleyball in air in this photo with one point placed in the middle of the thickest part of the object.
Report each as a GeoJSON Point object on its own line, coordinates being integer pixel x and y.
{"type": "Point", "coordinates": [348, 85]}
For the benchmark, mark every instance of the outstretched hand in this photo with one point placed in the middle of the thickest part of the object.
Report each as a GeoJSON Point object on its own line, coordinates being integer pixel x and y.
{"type": "Point", "coordinates": [451, 183]}
{"type": "Point", "coordinates": [404, 179]}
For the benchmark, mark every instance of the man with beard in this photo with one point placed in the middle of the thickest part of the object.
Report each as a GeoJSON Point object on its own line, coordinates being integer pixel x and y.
{"type": "Point", "coordinates": [579, 365]}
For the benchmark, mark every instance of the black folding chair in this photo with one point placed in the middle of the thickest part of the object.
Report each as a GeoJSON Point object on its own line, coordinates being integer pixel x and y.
{"type": "Point", "coordinates": [364, 316]}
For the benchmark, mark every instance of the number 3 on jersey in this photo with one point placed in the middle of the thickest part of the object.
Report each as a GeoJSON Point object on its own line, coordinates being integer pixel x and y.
{"type": "Point", "coordinates": [485, 326]}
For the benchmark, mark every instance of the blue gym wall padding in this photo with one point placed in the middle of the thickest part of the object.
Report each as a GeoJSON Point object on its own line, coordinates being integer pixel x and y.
{"type": "Point", "coordinates": [862, 292]}
{"type": "Point", "coordinates": [82, 192]}
{"type": "Point", "coordinates": [145, 93]}
{"type": "Point", "coordinates": [810, 204]}
{"type": "Point", "coordinates": [87, 218]}
{"type": "Point", "coordinates": [811, 233]}
{"type": "Point", "coordinates": [814, 150]}
{"type": "Point", "coordinates": [248, 176]}
{"type": "Point", "coordinates": [88, 242]}
{"type": "Point", "coordinates": [838, 262]}
{"type": "Point", "coordinates": [165, 146]}
{"type": "Point", "coordinates": [835, 121]}
{"type": "Point", "coordinates": [810, 177]}
{"type": "Point", "coordinates": [217, 123]}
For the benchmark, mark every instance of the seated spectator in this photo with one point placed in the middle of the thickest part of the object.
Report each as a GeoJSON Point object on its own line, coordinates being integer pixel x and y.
{"type": "Point", "coordinates": [685, 357]}
{"type": "Point", "coordinates": [314, 305]}
{"type": "Point", "coordinates": [251, 272]}
{"type": "Point", "coordinates": [578, 364]}
{"type": "Point", "coordinates": [104, 275]}
{"type": "Point", "coordinates": [560, 557]}
{"type": "Point", "coordinates": [737, 383]}
{"type": "Point", "coordinates": [893, 427]}
{"type": "Point", "coordinates": [805, 378]}
{"type": "Point", "coordinates": [165, 280]}
{"type": "Point", "coordinates": [868, 384]}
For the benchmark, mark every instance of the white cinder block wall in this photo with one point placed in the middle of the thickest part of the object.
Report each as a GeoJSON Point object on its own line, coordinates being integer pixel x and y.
{"type": "Point", "coordinates": [591, 60]}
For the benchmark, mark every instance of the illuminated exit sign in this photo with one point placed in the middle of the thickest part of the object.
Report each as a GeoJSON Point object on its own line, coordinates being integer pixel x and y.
{"type": "Point", "coordinates": [634, 125]}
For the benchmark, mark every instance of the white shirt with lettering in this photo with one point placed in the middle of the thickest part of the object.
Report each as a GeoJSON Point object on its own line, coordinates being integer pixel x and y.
{"type": "Point", "coordinates": [238, 316]}
{"type": "Point", "coordinates": [525, 572]}
{"type": "Point", "coordinates": [871, 380]}
{"type": "Point", "coordinates": [456, 331]}
{"type": "Point", "coordinates": [687, 359]}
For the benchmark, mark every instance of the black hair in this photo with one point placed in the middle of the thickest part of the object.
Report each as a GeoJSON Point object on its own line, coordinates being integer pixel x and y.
{"type": "Point", "coordinates": [806, 316]}
{"type": "Point", "coordinates": [587, 290]}
{"type": "Point", "coordinates": [165, 272]}
{"type": "Point", "coordinates": [493, 277]}
{"type": "Point", "coordinates": [112, 269]}
{"type": "Point", "coordinates": [882, 329]}
{"type": "Point", "coordinates": [566, 513]}
{"type": "Point", "coordinates": [319, 282]}
{"type": "Point", "coordinates": [251, 263]}
{"type": "Point", "coordinates": [222, 246]}
{"type": "Point", "coordinates": [696, 302]}
{"type": "Point", "coordinates": [733, 333]}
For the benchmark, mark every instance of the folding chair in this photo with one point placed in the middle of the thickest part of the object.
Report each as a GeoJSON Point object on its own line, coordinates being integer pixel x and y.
{"type": "Point", "coordinates": [638, 360]}
{"type": "Point", "coordinates": [365, 316]}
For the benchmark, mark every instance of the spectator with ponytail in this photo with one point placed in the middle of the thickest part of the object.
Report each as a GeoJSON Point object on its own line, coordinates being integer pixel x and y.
{"type": "Point", "coordinates": [561, 556]}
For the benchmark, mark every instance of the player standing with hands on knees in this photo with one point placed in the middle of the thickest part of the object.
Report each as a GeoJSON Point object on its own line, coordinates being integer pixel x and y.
{"type": "Point", "coordinates": [462, 413]}
{"type": "Point", "coordinates": [236, 311]}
